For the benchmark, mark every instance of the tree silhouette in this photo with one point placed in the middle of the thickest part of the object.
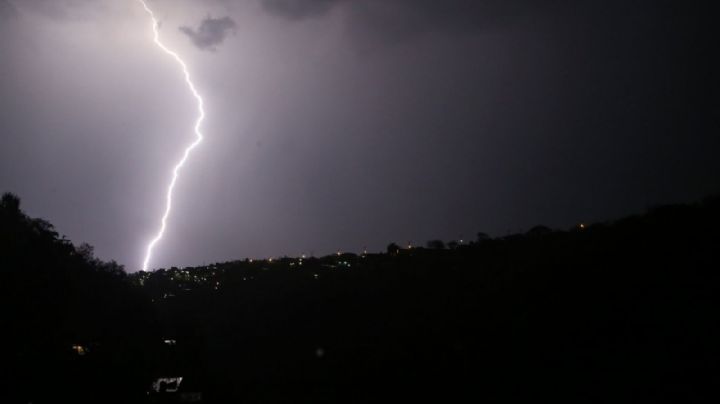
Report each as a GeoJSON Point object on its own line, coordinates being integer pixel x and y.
{"type": "Point", "coordinates": [539, 230]}
{"type": "Point", "coordinates": [393, 248]}
{"type": "Point", "coordinates": [10, 202]}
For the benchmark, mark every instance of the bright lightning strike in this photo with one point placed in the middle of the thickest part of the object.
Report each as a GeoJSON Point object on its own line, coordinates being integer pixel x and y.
{"type": "Point", "coordinates": [186, 154]}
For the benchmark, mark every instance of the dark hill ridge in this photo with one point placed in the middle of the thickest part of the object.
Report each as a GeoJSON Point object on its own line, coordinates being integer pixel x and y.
{"type": "Point", "coordinates": [54, 297]}
{"type": "Point", "coordinates": [618, 311]}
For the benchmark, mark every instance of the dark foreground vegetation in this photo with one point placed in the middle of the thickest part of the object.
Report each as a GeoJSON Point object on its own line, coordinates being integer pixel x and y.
{"type": "Point", "coordinates": [624, 311]}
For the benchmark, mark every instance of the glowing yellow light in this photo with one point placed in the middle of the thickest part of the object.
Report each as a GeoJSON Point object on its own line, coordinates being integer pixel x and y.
{"type": "Point", "coordinates": [79, 349]}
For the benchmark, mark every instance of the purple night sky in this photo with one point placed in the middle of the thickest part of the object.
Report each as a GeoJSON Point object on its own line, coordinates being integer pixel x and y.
{"type": "Point", "coordinates": [338, 124]}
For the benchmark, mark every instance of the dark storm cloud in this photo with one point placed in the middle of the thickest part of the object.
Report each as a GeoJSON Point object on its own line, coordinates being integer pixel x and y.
{"type": "Point", "coordinates": [370, 25]}
{"type": "Point", "coordinates": [402, 17]}
{"type": "Point", "coordinates": [298, 9]}
{"type": "Point", "coordinates": [7, 11]}
{"type": "Point", "coordinates": [65, 10]}
{"type": "Point", "coordinates": [212, 32]}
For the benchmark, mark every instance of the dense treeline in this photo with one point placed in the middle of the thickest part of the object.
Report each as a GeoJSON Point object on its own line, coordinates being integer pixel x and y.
{"type": "Point", "coordinates": [617, 311]}
{"type": "Point", "coordinates": [54, 296]}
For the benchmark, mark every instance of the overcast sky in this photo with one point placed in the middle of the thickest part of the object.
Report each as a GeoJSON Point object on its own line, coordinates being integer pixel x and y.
{"type": "Point", "coordinates": [338, 124]}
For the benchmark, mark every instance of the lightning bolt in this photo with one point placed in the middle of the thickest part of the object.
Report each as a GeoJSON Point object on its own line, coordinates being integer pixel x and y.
{"type": "Point", "coordinates": [188, 149]}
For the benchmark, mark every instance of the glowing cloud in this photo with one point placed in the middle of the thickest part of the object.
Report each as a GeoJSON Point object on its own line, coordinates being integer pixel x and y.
{"type": "Point", "coordinates": [188, 149]}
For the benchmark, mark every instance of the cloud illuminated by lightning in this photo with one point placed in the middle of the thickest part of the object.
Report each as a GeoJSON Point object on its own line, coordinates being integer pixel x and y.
{"type": "Point", "coordinates": [188, 149]}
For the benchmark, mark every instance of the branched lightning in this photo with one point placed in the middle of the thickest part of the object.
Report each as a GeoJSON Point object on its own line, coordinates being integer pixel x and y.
{"type": "Point", "coordinates": [186, 154]}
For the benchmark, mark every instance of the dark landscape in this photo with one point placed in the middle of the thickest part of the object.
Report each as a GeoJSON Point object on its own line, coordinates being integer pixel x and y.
{"type": "Point", "coordinates": [623, 310]}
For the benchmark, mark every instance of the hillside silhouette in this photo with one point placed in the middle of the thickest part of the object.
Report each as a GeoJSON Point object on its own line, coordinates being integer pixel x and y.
{"type": "Point", "coordinates": [616, 311]}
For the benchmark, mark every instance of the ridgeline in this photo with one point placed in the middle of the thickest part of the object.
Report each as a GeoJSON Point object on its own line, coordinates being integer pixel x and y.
{"type": "Point", "coordinates": [616, 311]}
